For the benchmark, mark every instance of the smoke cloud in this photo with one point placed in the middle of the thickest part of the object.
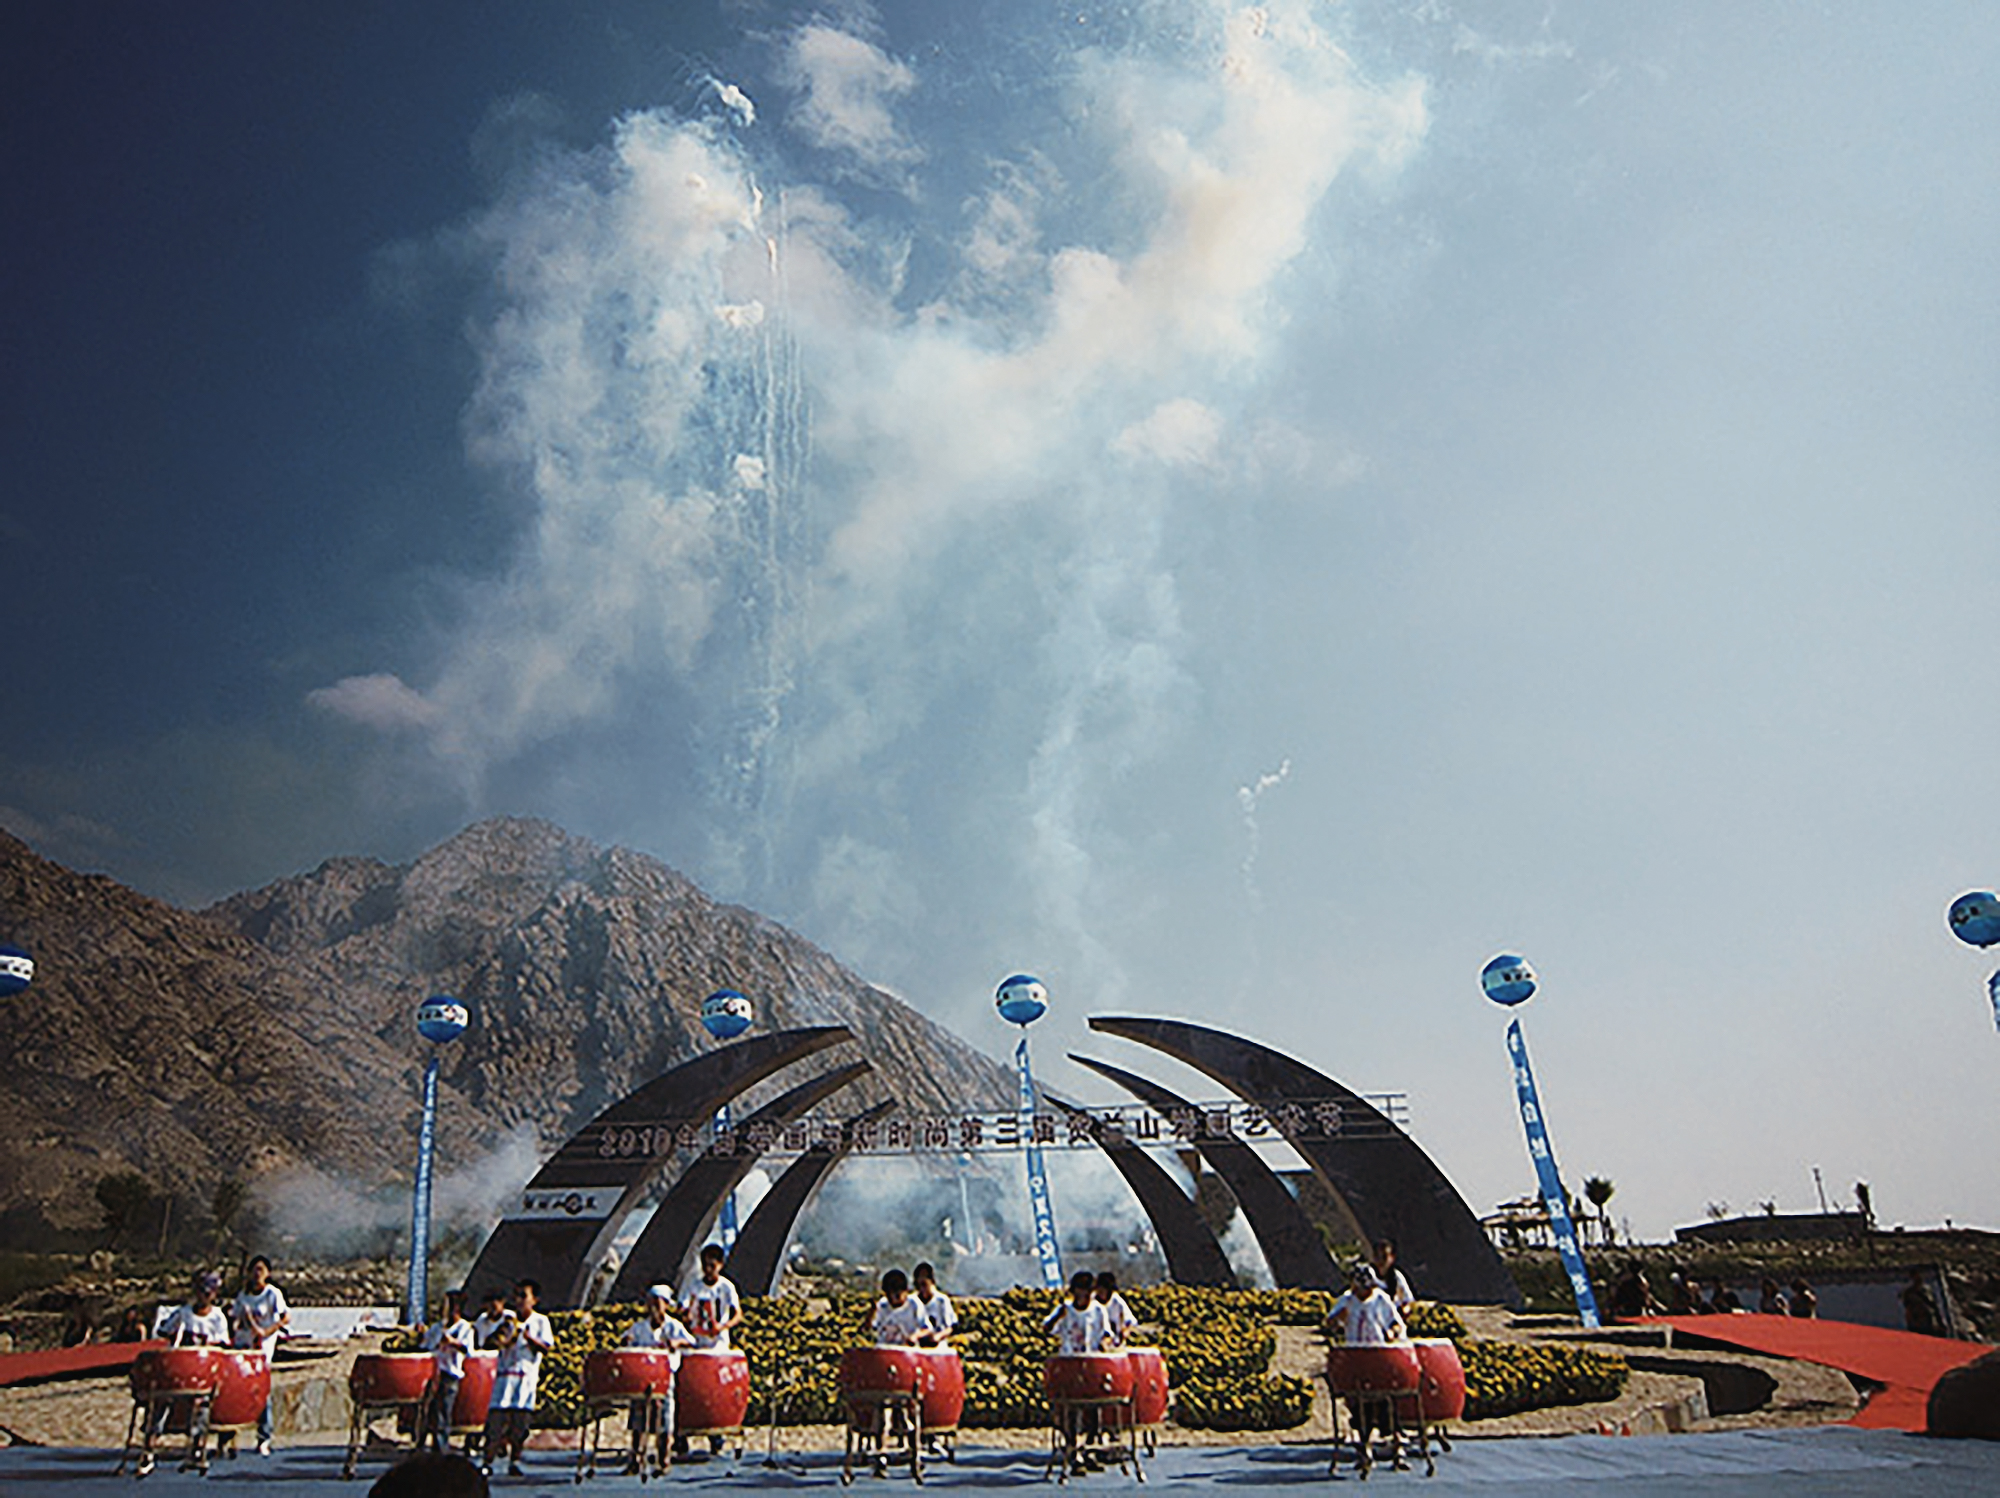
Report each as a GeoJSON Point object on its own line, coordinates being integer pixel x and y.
{"type": "Point", "coordinates": [891, 548]}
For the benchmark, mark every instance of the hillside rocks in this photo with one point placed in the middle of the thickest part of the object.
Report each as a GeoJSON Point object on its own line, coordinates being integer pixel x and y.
{"type": "Point", "coordinates": [273, 1032]}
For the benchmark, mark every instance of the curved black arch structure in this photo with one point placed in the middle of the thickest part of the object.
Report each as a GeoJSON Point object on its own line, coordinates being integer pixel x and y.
{"type": "Point", "coordinates": [1292, 1246]}
{"type": "Point", "coordinates": [758, 1259]}
{"type": "Point", "coordinates": [568, 1212]}
{"type": "Point", "coordinates": [692, 1200]}
{"type": "Point", "coordinates": [1391, 1186]}
{"type": "Point", "coordinates": [1192, 1254]}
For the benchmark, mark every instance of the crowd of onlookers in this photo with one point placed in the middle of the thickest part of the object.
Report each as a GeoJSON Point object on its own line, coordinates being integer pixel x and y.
{"type": "Point", "coordinates": [1632, 1295]}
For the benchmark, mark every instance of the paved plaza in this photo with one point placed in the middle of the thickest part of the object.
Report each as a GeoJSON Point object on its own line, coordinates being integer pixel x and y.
{"type": "Point", "coordinates": [1834, 1460]}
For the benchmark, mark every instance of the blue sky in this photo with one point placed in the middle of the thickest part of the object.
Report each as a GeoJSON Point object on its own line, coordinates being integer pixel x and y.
{"type": "Point", "coordinates": [1244, 512]}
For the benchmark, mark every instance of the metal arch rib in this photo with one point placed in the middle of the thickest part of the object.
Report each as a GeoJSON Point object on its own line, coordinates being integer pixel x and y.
{"type": "Point", "coordinates": [758, 1259]}
{"type": "Point", "coordinates": [1390, 1185]}
{"type": "Point", "coordinates": [692, 1200]}
{"type": "Point", "coordinates": [1192, 1254]}
{"type": "Point", "coordinates": [1292, 1246]}
{"type": "Point", "coordinates": [561, 1253]}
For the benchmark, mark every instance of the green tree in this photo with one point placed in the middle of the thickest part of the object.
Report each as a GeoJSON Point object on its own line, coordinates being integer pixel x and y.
{"type": "Point", "coordinates": [123, 1197]}
{"type": "Point", "coordinates": [1600, 1190]}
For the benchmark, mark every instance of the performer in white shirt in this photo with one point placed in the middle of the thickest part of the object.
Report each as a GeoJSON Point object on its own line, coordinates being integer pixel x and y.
{"type": "Point", "coordinates": [260, 1315]}
{"type": "Point", "coordinates": [1119, 1322]}
{"type": "Point", "coordinates": [492, 1311]}
{"type": "Point", "coordinates": [1079, 1322]}
{"type": "Point", "coordinates": [199, 1323]}
{"type": "Point", "coordinates": [657, 1328]}
{"type": "Point", "coordinates": [899, 1319]}
{"type": "Point", "coordinates": [449, 1341]}
{"type": "Point", "coordinates": [1364, 1315]}
{"type": "Point", "coordinates": [710, 1303]}
{"type": "Point", "coordinates": [523, 1336]}
{"type": "Point", "coordinates": [1390, 1277]}
{"type": "Point", "coordinates": [937, 1305]}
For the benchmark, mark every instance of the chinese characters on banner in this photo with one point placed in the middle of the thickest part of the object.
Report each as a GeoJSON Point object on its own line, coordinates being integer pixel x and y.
{"type": "Point", "coordinates": [1553, 1199]}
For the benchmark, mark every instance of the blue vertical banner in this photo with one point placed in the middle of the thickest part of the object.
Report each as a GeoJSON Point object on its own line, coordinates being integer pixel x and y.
{"type": "Point", "coordinates": [1550, 1179]}
{"type": "Point", "coordinates": [725, 1225]}
{"type": "Point", "coordinates": [417, 1293]}
{"type": "Point", "coordinates": [1038, 1177]}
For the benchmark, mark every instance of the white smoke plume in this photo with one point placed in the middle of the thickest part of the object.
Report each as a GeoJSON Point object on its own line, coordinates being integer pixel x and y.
{"type": "Point", "coordinates": [897, 566]}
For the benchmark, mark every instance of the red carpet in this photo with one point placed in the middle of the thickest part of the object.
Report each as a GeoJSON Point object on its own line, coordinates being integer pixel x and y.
{"type": "Point", "coordinates": [1906, 1364]}
{"type": "Point", "coordinates": [66, 1362]}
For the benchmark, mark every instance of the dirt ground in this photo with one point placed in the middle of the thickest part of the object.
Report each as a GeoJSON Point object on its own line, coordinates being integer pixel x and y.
{"type": "Point", "coordinates": [1669, 1391]}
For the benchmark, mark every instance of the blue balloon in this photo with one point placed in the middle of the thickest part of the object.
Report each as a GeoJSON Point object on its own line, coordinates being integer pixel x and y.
{"type": "Point", "coordinates": [1022, 1000]}
{"type": "Point", "coordinates": [1975, 918]}
{"type": "Point", "coordinates": [1508, 980]}
{"type": "Point", "coordinates": [441, 1018]}
{"type": "Point", "coordinates": [17, 971]}
{"type": "Point", "coordinates": [726, 1014]}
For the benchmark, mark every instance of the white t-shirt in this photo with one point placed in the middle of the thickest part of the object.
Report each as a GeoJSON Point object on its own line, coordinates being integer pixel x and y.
{"type": "Point", "coordinates": [1398, 1288]}
{"type": "Point", "coordinates": [1118, 1319]}
{"type": "Point", "coordinates": [938, 1311]}
{"type": "Point", "coordinates": [1369, 1322]}
{"type": "Point", "coordinates": [1078, 1332]}
{"type": "Point", "coordinates": [669, 1334]}
{"type": "Point", "coordinates": [484, 1325]}
{"type": "Point", "coordinates": [707, 1307]}
{"type": "Point", "coordinates": [267, 1308]}
{"type": "Point", "coordinates": [448, 1345]}
{"type": "Point", "coordinates": [519, 1370]}
{"type": "Point", "coordinates": [185, 1326]}
{"type": "Point", "coordinates": [899, 1326]}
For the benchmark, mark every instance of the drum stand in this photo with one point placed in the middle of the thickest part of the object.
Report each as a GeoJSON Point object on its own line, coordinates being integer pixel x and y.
{"type": "Point", "coordinates": [655, 1439]}
{"type": "Point", "coordinates": [1386, 1400]}
{"type": "Point", "coordinates": [140, 1434]}
{"type": "Point", "coordinates": [871, 1423]}
{"type": "Point", "coordinates": [364, 1414]}
{"type": "Point", "coordinates": [1072, 1442]}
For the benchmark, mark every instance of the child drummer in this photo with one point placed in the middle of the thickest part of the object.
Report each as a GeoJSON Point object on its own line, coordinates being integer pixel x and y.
{"type": "Point", "coordinates": [199, 1323]}
{"type": "Point", "coordinates": [1364, 1315]}
{"type": "Point", "coordinates": [1119, 1322]}
{"type": "Point", "coordinates": [657, 1328]}
{"type": "Point", "coordinates": [711, 1307]}
{"type": "Point", "coordinates": [936, 1304]}
{"type": "Point", "coordinates": [1081, 1326]}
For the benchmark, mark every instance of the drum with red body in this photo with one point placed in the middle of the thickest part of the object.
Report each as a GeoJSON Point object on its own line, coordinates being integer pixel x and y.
{"type": "Point", "coordinates": [475, 1391]}
{"type": "Point", "coordinates": [390, 1377]}
{"type": "Point", "coordinates": [941, 1383]}
{"type": "Point", "coordinates": [1088, 1378]}
{"type": "Point", "coordinates": [1373, 1370]}
{"type": "Point", "coordinates": [627, 1372]}
{"type": "Point", "coordinates": [176, 1371]}
{"type": "Point", "coordinates": [712, 1392]}
{"type": "Point", "coordinates": [244, 1391]}
{"type": "Point", "coordinates": [1441, 1385]}
{"type": "Point", "coordinates": [1149, 1385]}
{"type": "Point", "coordinates": [868, 1371]}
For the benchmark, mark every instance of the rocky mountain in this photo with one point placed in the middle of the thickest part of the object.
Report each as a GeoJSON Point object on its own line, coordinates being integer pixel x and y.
{"type": "Point", "coordinates": [272, 1033]}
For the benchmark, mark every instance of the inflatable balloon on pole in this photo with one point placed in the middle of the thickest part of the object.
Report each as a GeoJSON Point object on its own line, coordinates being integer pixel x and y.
{"type": "Point", "coordinates": [1975, 920]}
{"type": "Point", "coordinates": [17, 971]}
{"type": "Point", "coordinates": [1510, 982]}
{"type": "Point", "coordinates": [441, 1019]}
{"type": "Point", "coordinates": [1021, 1001]}
{"type": "Point", "coordinates": [726, 1014]}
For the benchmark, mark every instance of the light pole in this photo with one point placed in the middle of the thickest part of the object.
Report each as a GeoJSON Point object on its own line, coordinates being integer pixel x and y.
{"type": "Point", "coordinates": [1975, 920]}
{"type": "Point", "coordinates": [1508, 981]}
{"type": "Point", "coordinates": [726, 1014]}
{"type": "Point", "coordinates": [1021, 1001]}
{"type": "Point", "coordinates": [441, 1019]}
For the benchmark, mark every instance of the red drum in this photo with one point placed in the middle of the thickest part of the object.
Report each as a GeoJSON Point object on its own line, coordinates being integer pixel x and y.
{"type": "Point", "coordinates": [475, 1391]}
{"type": "Point", "coordinates": [627, 1372]}
{"type": "Point", "coordinates": [1442, 1386]}
{"type": "Point", "coordinates": [176, 1371]}
{"type": "Point", "coordinates": [942, 1385]}
{"type": "Point", "coordinates": [244, 1391]}
{"type": "Point", "coordinates": [879, 1370]}
{"type": "Point", "coordinates": [390, 1377]}
{"type": "Point", "coordinates": [1373, 1370]}
{"type": "Point", "coordinates": [1149, 1385]}
{"type": "Point", "coordinates": [712, 1392]}
{"type": "Point", "coordinates": [1091, 1377]}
